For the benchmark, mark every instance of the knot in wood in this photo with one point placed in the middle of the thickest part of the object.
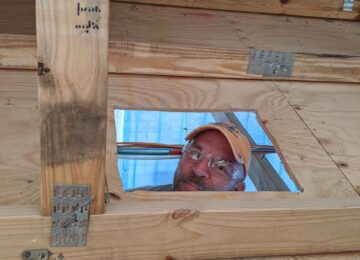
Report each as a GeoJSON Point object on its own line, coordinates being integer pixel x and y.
{"type": "Point", "coordinates": [180, 213]}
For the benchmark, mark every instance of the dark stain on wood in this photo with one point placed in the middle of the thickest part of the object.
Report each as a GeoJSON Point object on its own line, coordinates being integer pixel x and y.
{"type": "Point", "coordinates": [72, 132]}
{"type": "Point", "coordinates": [284, 2]}
{"type": "Point", "coordinates": [42, 69]}
{"type": "Point", "coordinates": [47, 83]}
{"type": "Point", "coordinates": [334, 56]}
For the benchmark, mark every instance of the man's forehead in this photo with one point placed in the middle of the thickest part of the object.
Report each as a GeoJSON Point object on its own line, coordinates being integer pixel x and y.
{"type": "Point", "coordinates": [215, 143]}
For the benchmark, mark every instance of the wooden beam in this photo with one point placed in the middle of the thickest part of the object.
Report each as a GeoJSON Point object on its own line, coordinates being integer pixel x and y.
{"type": "Point", "coordinates": [211, 229]}
{"type": "Point", "coordinates": [261, 173]}
{"type": "Point", "coordinates": [18, 52]}
{"type": "Point", "coordinates": [72, 40]}
{"type": "Point", "coordinates": [182, 27]}
{"type": "Point", "coordinates": [159, 40]}
{"type": "Point", "coordinates": [323, 8]}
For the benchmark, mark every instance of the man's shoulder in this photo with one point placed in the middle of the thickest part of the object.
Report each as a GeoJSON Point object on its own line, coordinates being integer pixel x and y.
{"type": "Point", "coordinates": [166, 187]}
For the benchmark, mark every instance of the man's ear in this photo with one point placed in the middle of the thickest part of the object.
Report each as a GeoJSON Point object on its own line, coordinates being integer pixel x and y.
{"type": "Point", "coordinates": [240, 187]}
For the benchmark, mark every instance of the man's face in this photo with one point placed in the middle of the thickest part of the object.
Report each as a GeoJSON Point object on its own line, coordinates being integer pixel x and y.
{"type": "Point", "coordinates": [208, 164]}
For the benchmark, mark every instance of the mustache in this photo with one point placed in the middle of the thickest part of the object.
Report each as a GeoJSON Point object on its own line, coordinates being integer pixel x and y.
{"type": "Point", "coordinates": [196, 180]}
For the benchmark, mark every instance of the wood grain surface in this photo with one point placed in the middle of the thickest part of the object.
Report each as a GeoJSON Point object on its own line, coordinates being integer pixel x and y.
{"type": "Point", "coordinates": [72, 41]}
{"type": "Point", "coordinates": [19, 52]}
{"type": "Point", "coordinates": [186, 27]}
{"type": "Point", "coordinates": [212, 229]}
{"type": "Point", "coordinates": [322, 8]}
{"type": "Point", "coordinates": [333, 117]}
{"type": "Point", "coordinates": [176, 41]}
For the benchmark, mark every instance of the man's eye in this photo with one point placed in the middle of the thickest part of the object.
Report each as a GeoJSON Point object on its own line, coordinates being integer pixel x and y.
{"type": "Point", "coordinates": [220, 167]}
{"type": "Point", "coordinates": [223, 168]}
{"type": "Point", "coordinates": [195, 155]}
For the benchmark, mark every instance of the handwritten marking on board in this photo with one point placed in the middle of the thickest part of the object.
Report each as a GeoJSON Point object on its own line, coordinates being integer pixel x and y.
{"type": "Point", "coordinates": [93, 14]}
{"type": "Point", "coordinates": [89, 9]}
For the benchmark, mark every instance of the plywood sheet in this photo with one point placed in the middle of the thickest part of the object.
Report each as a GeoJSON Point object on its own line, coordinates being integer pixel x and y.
{"type": "Point", "coordinates": [332, 115]}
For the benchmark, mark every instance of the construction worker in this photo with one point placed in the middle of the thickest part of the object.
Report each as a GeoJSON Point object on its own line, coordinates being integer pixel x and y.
{"type": "Point", "coordinates": [216, 158]}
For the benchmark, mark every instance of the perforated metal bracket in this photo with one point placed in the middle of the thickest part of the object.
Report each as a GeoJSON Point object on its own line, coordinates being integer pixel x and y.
{"type": "Point", "coordinates": [348, 5]}
{"type": "Point", "coordinates": [70, 215]}
{"type": "Point", "coordinates": [270, 63]}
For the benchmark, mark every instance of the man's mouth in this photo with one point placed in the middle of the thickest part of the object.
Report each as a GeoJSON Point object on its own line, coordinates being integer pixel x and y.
{"type": "Point", "coordinates": [190, 186]}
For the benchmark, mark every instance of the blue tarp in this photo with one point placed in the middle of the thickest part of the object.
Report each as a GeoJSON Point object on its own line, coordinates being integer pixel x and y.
{"type": "Point", "coordinates": [171, 128]}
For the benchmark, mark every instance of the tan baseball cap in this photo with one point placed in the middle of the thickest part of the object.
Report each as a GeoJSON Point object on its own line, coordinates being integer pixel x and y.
{"type": "Point", "coordinates": [239, 143]}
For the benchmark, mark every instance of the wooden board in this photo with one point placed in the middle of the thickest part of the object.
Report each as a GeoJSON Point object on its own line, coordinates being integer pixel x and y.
{"type": "Point", "coordinates": [185, 27]}
{"type": "Point", "coordinates": [19, 51]}
{"type": "Point", "coordinates": [72, 41]}
{"type": "Point", "coordinates": [177, 41]}
{"type": "Point", "coordinates": [212, 229]}
{"type": "Point", "coordinates": [333, 117]}
{"type": "Point", "coordinates": [323, 8]}
{"type": "Point", "coordinates": [338, 256]}
{"type": "Point", "coordinates": [19, 139]}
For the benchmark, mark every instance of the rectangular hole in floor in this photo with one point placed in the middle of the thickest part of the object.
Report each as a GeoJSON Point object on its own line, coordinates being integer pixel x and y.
{"type": "Point", "coordinates": [164, 127]}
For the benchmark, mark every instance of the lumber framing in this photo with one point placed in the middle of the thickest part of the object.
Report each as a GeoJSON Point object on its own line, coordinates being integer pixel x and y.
{"type": "Point", "coordinates": [158, 40]}
{"type": "Point", "coordinates": [262, 174]}
{"type": "Point", "coordinates": [72, 68]}
{"type": "Point", "coordinates": [314, 125]}
{"type": "Point", "coordinates": [211, 229]}
{"type": "Point", "coordinates": [311, 165]}
{"type": "Point", "coordinates": [323, 8]}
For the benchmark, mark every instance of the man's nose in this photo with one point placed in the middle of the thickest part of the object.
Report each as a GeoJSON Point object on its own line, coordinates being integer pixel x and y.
{"type": "Point", "coordinates": [201, 168]}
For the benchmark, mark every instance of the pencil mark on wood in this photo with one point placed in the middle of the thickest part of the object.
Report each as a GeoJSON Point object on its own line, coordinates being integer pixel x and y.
{"type": "Point", "coordinates": [89, 9]}
{"type": "Point", "coordinates": [93, 13]}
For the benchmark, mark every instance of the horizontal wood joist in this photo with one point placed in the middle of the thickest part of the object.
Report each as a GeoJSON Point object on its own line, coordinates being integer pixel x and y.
{"type": "Point", "coordinates": [192, 229]}
{"type": "Point", "coordinates": [323, 8]}
{"type": "Point", "coordinates": [158, 40]}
